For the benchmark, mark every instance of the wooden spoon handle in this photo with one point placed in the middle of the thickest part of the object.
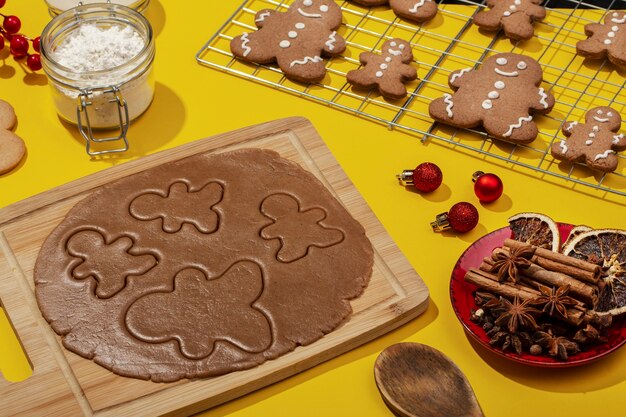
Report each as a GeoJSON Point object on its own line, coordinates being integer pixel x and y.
{"type": "Point", "coordinates": [416, 380]}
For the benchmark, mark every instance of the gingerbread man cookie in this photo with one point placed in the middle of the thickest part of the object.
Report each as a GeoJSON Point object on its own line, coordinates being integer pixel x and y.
{"type": "Point", "coordinates": [501, 96]}
{"type": "Point", "coordinates": [388, 72]}
{"type": "Point", "coordinates": [12, 148]}
{"type": "Point", "coordinates": [416, 10]}
{"type": "Point", "coordinates": [514, 16]}
{"type": "Point", "coordinates": [593, 143]}
{"type": "Point", "coordinates": [295, 39]}
{"type": "Point", "coordinates": [606, 39]}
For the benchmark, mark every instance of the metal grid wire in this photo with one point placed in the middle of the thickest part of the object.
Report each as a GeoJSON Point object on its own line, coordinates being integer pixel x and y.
{"type": "Point", "coordinates": [447, 43]}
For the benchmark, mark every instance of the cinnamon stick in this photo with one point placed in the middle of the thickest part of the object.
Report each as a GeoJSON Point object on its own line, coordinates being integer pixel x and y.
{"type": "Point", "coordinates": [583, 291]}
{"type": "Point", "coordinates": [557, 257]}
{"type": "Point", "coordinates": [526, 281]}
{"type": "Point", "coordinates": [489, 282]}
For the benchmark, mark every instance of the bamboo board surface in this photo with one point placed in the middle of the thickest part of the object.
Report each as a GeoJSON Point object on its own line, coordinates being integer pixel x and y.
{"type": "Point", "coordinates": [65, 384]}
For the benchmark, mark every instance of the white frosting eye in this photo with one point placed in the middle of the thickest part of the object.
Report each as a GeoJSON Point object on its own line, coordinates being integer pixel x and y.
{"type": "Point", "coordinates": [501, 61]}
{"type": "Point", "coordinates": [307, 2]}
{"type": "Point", "coordinates": [599, 111]}
{"type": "Point", "coordinates": [521, 65]}
{"type": "Point", "coordinates": [609, 114]}
{"type": "Point", "coordinates": [401, 46]}
{"type": "Point", "coordinates": [615, 14]}
{"type": "Point", "coordinates": [393, 44]}
{"type": "Point", "coordinates": [323, 8]}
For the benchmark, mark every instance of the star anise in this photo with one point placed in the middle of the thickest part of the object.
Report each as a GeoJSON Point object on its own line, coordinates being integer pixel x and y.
{"type": "Point", "coordinates": [588, 335]}
{"type": "Point", "coordinates": [517, 314]}
{"type": "Point", "coordinates": [512, 341]}
{"type": "Point", "coordinates": [507, 265]}
{"type": "Point", "coordinates": [554, 300]}
{"type": "Point", "coordinates": [557, 345]}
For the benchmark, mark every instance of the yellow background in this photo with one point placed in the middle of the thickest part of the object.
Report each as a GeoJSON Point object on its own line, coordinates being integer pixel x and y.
{"type": "Point", "coordinates": [193, 101]}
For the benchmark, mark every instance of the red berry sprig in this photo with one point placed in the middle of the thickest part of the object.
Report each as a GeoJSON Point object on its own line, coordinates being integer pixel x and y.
{"type": "Point", "coordinates": [19, 45]}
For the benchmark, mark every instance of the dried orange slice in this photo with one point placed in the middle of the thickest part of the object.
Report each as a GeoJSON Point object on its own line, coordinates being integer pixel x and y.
{"type": "Point", "coordinates": [536, 229]}
{"type": "Point", "coordinates": [607, 248]}
{"type": "Point", "coordinates": [575, 232]}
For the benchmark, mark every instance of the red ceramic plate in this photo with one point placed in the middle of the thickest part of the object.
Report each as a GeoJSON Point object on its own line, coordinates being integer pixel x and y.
{"type": "Point", "coordinates": [461, 295]}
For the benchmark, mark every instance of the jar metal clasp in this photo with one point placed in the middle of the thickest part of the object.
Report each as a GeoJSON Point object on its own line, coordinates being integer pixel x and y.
{"type": "Point", "coordinates": [84, 126]}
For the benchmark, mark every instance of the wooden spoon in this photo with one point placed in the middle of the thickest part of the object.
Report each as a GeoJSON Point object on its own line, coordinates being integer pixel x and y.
{"type": "Point", "coordinates": [416, 380]}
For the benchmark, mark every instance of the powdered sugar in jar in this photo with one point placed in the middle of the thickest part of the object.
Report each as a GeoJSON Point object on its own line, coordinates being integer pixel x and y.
{"type": "Point", "coordinates": [99, 58]}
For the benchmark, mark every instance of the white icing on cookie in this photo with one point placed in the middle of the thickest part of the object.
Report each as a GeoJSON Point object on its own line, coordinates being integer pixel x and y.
{"type": "Point", "coordinates": [589, 142]}
{"type": "Point", "coordinates": [305, 14]}
{"type": "Point", "coordinates": [388, 59]}
{"type": "Point", "coordinates": [417, 6]}
{"type": "Point", "coordinates": [513, 7]}
{"type": "Point", "coordinates": [487, 104]}
{"type": "Point", "coordinates": [300, 25]}
{"type": "Point", "coordinates": [394, 52]}
{"type": "Point", "coordinates": [506, 74]}
{"type": "Point", "coordinates": [598, 119]}
{"type": "Point", "coordinates": [305, 60]}
{"type": "Point", "coordinates": [262, 17]}
{"type": "Point", "coordinates": [284, 44]}
{"type": "Point", "coordinates": [563, 146]}
{"type": "Point", "coordinates": [522, 65]}
{"type": "Point", "coordinates": [595, 128]}
{"type": "Point", "coordinates": [459, 74]}
{"type": "Point", "coordinates": [570, 126]}
{"type": "Point", "coordinates": [499, 85]}
{"type": "Point", "coordinates": [622, 20]}
{"type": "Point", "coordinates": [607, 41]}
{"type": "Point", "coordinates": [292, 34]}
{"type": "Point", "coordinates": [543, 99]}
{"type": "Point", "coordinates": [447, 98]}
{"type": "Point", "coordinates": [332, 39]}
{"type": "Point", "coordinates": [506, 14]}
{"type": "Point", "coordinates": [592, 135]}
{"type": "Point", "coordinates": [604, 155]}
{"type": "Point", "coordinates": [617, 138]}
{"type": "Point", "coordinates": [501, 61]}
{"type": "Point", "coordinates": [384, 66]}
{"type": "Point", "coordinates": [493, 94]}
{"type": "Point", "coordinates": [517, 125]}
{"type": "Point", "coordinates": [379, 74]}
{"type": "Point", "coordinates": [244, 44]}
{"type": "Point", "coordinates": [323, 8]}
{"type": "Point", "coordinates": [518, 2]}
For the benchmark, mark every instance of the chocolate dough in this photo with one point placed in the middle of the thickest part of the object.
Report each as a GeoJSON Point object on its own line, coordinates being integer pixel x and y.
{"type": "Point", "coordinates": [203, 266]}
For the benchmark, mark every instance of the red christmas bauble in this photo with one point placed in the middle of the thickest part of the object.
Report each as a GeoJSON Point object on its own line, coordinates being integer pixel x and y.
{"type": "Point", "coordinates": [463, 217]}
{"type": "Point", "coordinates": [487, 187]}
{"type": "Point", "coordinates": [427, 177]}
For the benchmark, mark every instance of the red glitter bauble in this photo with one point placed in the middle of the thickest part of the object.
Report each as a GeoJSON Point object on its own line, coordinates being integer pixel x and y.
{"type": "Point", "coordinates": [427, 177]}
{"type": "Point", "coordinates": [487, 187]}
{"type": "Point", "coordinates": [463, 217]}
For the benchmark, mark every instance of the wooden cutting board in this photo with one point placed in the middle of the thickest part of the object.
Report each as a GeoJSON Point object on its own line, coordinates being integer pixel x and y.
{"type": "Point", "coordinates": [66, 384]}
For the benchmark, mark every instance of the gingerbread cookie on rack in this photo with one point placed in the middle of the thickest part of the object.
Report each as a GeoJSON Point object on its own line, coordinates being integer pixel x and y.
{"type": "Point", "coordinates": [516, 17]}
{"type": "Point", "coordinates": [593, 143]}
{"type": "Point", "coordinates": [12, 148]}
{"type": "Point", "coordinates": [388, 72]}
{"type": "Point", "coordinates": [501, 96]}
{"type": "Point", "coordinates": [606, 39]}
{"type": "Point", "coordinates": [416, 10]}
{"type": "Point", "coordinates": [296, 39]}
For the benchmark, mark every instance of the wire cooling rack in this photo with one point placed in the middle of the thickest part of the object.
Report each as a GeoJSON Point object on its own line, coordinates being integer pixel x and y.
{"type": "Point", "coordinates": [449, 42]}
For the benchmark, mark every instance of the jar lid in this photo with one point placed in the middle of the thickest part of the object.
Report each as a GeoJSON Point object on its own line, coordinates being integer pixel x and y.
{"type": "Point", "coordinates": [59, 6]}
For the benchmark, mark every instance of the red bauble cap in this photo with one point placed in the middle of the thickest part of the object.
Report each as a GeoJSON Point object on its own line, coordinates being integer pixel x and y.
{"type": "Point", "coordinates": [487, 187]}
{"type": "Point", "coordinates": [462, 217]}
